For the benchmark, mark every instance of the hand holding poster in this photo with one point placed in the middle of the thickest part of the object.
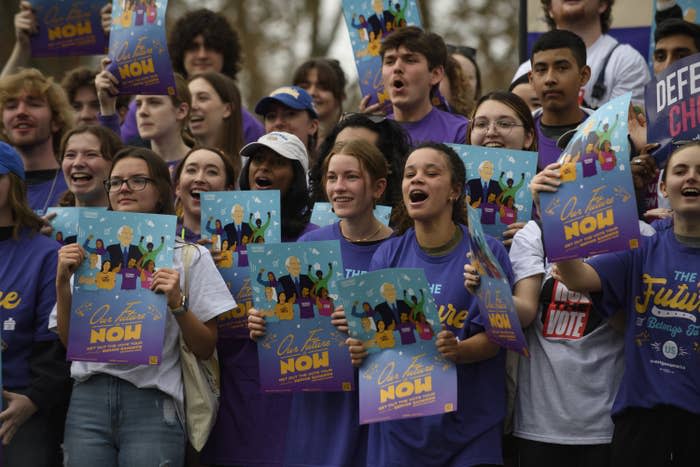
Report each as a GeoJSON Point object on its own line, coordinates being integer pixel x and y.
{"type": "Point", "coordinates": [497, 181]}
{"type": "Point", "coordinates": [301, 350]}
{"type": "Point", "coordinates": [230, 221]}
{"type": "Point", "coordinates": [494, 294]}
{"type": "Point", "coordinates": [393, 312]}
{"type": "Point", "coordinates": [594, 210]}
{"type": "Point", "coordinates": [115, 317]}
{"type": "Point", "coordinates": [368, 22]}
{"type": "Point", "coordinates": [672, 101]}
{"type": "Point", "coordinates": [68, 27]}
{"type": "Point", "coordinates": [138, 48]}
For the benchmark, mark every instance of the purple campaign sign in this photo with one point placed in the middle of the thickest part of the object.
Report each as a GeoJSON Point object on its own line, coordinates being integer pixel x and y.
{"type": "Point", "coordinates": [595, 210]}
{"type": "Point", "coordinates": [108, 328]}
{"type": "Point", "coordinates": [115, 317]}
{"type": "Point", "coordinates": [234, 323]}
{"type": "Point", "coordinates": [672, 102]}
{"type": "Point", "coordinates": [494, 295]}
{"type": "Point", "coordinates": [68, 27]}
{"type": "Point", "coordinates": [138, 48]}
{"type": "Point", "coordinates": [302, 350]}
{"type": "Point", "coordinates": [404, 375]}
{"type": "Point", "coordinates": [369, 21]}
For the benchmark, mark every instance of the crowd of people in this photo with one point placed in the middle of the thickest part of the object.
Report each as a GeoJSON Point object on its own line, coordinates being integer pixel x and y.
{"type": "Point", "coordinates": [606, 395]}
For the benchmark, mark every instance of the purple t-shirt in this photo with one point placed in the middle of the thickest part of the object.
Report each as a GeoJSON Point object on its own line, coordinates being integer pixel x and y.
{"type": "Point", "coordinates": [324, 427]}
{"type": "Point", "coordinates": [438, 126]}
{"type": "Point", "coordinates": [406, 331]}
{"type": "Point", "coordinates": [129, 276]}
{"type": "Point", "coordinates": [656, 285]}
{"type": "Point", "coordinates": [488, 213]}
{"type": "Point", "coordinates": [251, 426]}
{"type": "Point", "coordinates": [588, 164]}
{"type": "Point", "coordinates": [472, 434]}
{"type": "Point", "coordinates": [27, 285]}
{"type": "Point", "coordinates": [306, 307]}
{"type": "Point", "coordinates": [45, 191]}
{"type": "Point", "coordinates": [252, 128]}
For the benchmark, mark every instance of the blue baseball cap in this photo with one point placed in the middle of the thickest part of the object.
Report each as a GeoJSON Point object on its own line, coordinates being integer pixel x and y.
{"type": "Point", "coordinates": [10, 161]}
{"type": "Point", "coordinates": [291, 96]}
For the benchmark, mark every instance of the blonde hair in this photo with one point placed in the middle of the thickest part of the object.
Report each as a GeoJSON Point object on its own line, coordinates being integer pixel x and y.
{"type": "Point", "coordinates": [35, 83]}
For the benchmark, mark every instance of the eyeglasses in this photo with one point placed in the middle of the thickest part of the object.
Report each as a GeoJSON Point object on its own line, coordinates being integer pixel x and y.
{"type": "Point", "coordinates": [137, 183]}
{"type": "Point", "coordinates": [374, 118]}
{"type": "Point", "coordinates": [482, 125]}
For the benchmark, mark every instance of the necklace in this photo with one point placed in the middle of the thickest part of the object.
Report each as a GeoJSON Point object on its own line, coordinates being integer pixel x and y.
{"type": "Point", "coordinates": [48, 198]}
{"type": "Point", "coordinates": [364, 239]}
{"type": "Point", "coordinates": [447, 247]}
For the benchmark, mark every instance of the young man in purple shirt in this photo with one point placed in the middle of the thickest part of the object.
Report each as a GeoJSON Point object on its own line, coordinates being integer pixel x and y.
{"type": "Point", "coordinates": [35, 115]}
{"type": "Point", "coordinates": [413, 64]}
{"type": "Point", "coordinates": [559, 70]}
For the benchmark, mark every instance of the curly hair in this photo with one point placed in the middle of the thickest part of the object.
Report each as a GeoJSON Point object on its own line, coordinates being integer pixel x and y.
{"type": "Point", "coordinates": [217, 33]}
{"type": "Point", "coordinates": [605, 17]}
{"type": "Point", "coordinates": [35, 83]}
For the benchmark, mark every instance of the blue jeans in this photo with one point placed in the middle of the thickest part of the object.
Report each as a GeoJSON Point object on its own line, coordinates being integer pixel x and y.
{"type": "Point", "coordinates": [112, 423]}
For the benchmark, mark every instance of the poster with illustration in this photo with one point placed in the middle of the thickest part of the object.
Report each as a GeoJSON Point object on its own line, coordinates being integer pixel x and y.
{"type": "Point", "coordinates": [65, 224]}
{"type": "Point", "coordinates": [494, 295]}
{"type": "Point", "coordinates": [138, 48]}
{"type": "Point", "coordinates": [497, 185]}
{"type": "Point", "coordinates": [115, 317]}
{"type": "Point", "coordinates": [369, 21]}
{"type": "Point", "coordinates": [594, 210]}
{"type": "Point", "coordinates": [231, 220]}
{"type": "Point", "coordinates": [393, 312]}
{"type": "Point", "coordinates": [671, 100]}
{"type": "Point", "coordinates": [322, 214]}
{"type": "Point", "coordinates": [302, 350]}
{"type": "Point", "coordinates": [68, 27]}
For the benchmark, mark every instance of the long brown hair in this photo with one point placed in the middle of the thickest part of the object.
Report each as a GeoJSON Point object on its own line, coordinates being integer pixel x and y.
{"type": "Point", "coordinates": [230, 138]}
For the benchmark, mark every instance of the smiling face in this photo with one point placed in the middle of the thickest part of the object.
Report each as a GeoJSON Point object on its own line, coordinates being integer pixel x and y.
{"type": "Point", "coordinates": [157, 117]}
{"type": "Point", "coordinates": [427, 186]}
{"type": "Point", "coordinates": [199, 58]}
{"type": "Point", "coordinates": [492, 111]}
{"type": "Point", "coordinates": [569, 12]}
{"type": "Point", "coordinates": [27, 120]}
{"type": "Point", "coordinates": [203, 171]}
{"type": "Point", "coordinates": [208, 110]}
{"type": "Point", "coordinates": [407, 78]}
{"type": "Point", "coordinates": [84, 168]}
{"type": "Point", "coordinates": [270, 171]}
{"type": "Point", "coordinates": [293, 265]}
{"type": "Point", "coordinates": [349, 188]}
{"type": "Point", "coordinates": [124, 199]}
{"type": "Point", "coordinates": [325, 103]}
{"type": "Point", "coordinates": [681, 183]}
{"type": "Point", "coordinates": [557, 79]}
{"type": "Point", "coordinates": [279, 117]}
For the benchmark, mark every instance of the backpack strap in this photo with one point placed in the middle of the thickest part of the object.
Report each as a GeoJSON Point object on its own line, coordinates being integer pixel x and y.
{"type": "Point", "coordinates": [599, 88]}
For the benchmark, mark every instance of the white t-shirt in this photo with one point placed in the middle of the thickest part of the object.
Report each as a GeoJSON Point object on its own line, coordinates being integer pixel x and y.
{"type": "Point", "coordinates": [567, 387]}
{"type": "Point", "coordinates": [208, 297]}
{"type": "Point", "coordinates": [627, 71]}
